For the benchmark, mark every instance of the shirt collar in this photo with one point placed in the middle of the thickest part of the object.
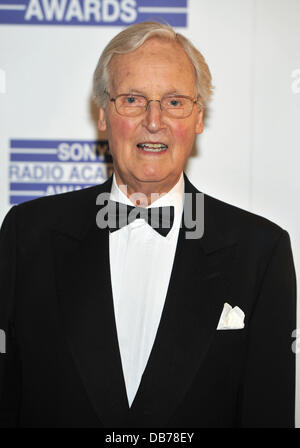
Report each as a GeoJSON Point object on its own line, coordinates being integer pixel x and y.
{"type": "Point", "coordinates": [173, 197]}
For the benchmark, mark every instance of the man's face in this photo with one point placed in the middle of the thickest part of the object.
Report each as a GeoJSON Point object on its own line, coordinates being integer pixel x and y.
{"type": "Point", "coordinates": [156, 69]}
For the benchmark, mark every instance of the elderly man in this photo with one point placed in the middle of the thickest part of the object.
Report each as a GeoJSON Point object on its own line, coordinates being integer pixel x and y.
{"type": "Point", "coordinates": [116, 319]}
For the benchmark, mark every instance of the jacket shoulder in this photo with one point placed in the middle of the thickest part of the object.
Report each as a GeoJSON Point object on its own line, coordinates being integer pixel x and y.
{"type": "Point", "coordinates": [72, 213]}
{"type": "Point", "coordinates": [242, 224]}
{"type": "Point", "coordinates": [48, 210]}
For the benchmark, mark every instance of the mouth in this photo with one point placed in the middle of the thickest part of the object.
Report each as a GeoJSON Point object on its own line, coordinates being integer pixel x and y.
{"type": "Point", "coordinates": [152, 147]}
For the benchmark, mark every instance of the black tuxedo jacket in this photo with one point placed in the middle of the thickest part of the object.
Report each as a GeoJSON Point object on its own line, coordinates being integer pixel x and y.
{"type": "Point", "coordinates": [62, 365]}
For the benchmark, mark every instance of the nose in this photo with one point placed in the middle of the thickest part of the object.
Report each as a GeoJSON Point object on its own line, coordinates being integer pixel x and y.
{"type": "Point", "coordinates": [153, 118]}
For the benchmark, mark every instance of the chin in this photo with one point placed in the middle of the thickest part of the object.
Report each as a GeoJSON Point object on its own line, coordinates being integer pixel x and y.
{"type": "Point", "coordinates": [152, 174]}
{"type": "Point", "coordinates": [151, 178]}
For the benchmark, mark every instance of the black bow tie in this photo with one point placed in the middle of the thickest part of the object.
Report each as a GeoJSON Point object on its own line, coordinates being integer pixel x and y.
{"type": "Point", "coordinates": [120, 215]}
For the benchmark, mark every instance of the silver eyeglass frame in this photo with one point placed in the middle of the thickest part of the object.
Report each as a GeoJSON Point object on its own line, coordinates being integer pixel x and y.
{"type": "Point", "coordinates": [195, 101]}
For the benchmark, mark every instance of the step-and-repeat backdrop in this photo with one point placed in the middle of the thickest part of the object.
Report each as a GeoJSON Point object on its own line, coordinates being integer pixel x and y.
{"type": "Point", "coordinates": [249, 153]}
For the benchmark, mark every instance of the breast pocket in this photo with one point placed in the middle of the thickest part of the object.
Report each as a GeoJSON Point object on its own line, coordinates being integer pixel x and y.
{"type": "Point", "coordinates": [229, 342]}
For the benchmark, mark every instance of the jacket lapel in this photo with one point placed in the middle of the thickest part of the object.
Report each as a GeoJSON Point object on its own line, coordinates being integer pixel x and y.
{"type": "Point", "coordinates": [85, 298]}
{"type": "Point", "coordinates": [197, 291]}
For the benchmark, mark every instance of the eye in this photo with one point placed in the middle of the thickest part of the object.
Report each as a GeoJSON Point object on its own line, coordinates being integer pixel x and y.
{"type": "Point", "coordinates": [130, 99]}
{"type": "Point", "coordinates": [173, 102]}
{"type": "Point", "coordinates": [133, 100]}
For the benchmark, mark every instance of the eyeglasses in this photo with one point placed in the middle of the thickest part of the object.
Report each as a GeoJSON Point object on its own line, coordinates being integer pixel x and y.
{"type": "Point", "coordinates": [175, 106]}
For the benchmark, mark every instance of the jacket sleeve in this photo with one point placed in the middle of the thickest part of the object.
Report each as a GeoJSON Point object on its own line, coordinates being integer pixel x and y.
{"type": "Point", "coordinates": [10, 367]}
{"type": "Point", "coordinates": [267, 396]}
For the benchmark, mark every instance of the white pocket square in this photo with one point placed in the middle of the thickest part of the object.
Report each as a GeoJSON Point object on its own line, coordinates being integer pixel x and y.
{"type": "Point", "coordinates": [231, 318]}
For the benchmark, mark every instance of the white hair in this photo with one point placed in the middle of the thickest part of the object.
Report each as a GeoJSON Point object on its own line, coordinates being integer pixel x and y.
{"type": "Point", "coordinates": [130, 39]}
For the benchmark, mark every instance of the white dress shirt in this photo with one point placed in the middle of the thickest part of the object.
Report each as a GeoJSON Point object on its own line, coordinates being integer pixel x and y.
{"type": "Point", "coordinates": [141, 262]}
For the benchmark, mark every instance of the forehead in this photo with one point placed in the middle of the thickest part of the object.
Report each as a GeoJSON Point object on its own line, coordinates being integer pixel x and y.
{"type": "Point", "coordinates": [156, 65]}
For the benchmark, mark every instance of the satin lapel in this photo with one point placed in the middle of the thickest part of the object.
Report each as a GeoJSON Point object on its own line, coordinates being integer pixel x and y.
{"type": "Point", "coordinates": [197, 291]}
{"type": "Point", "coordinates": [85, 297]}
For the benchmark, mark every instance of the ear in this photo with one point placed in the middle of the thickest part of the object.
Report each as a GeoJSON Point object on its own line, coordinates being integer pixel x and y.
{"type": "Point", "coordinates": [199, 123]}
{"type": "Point", "coordinates": [102, 120]}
